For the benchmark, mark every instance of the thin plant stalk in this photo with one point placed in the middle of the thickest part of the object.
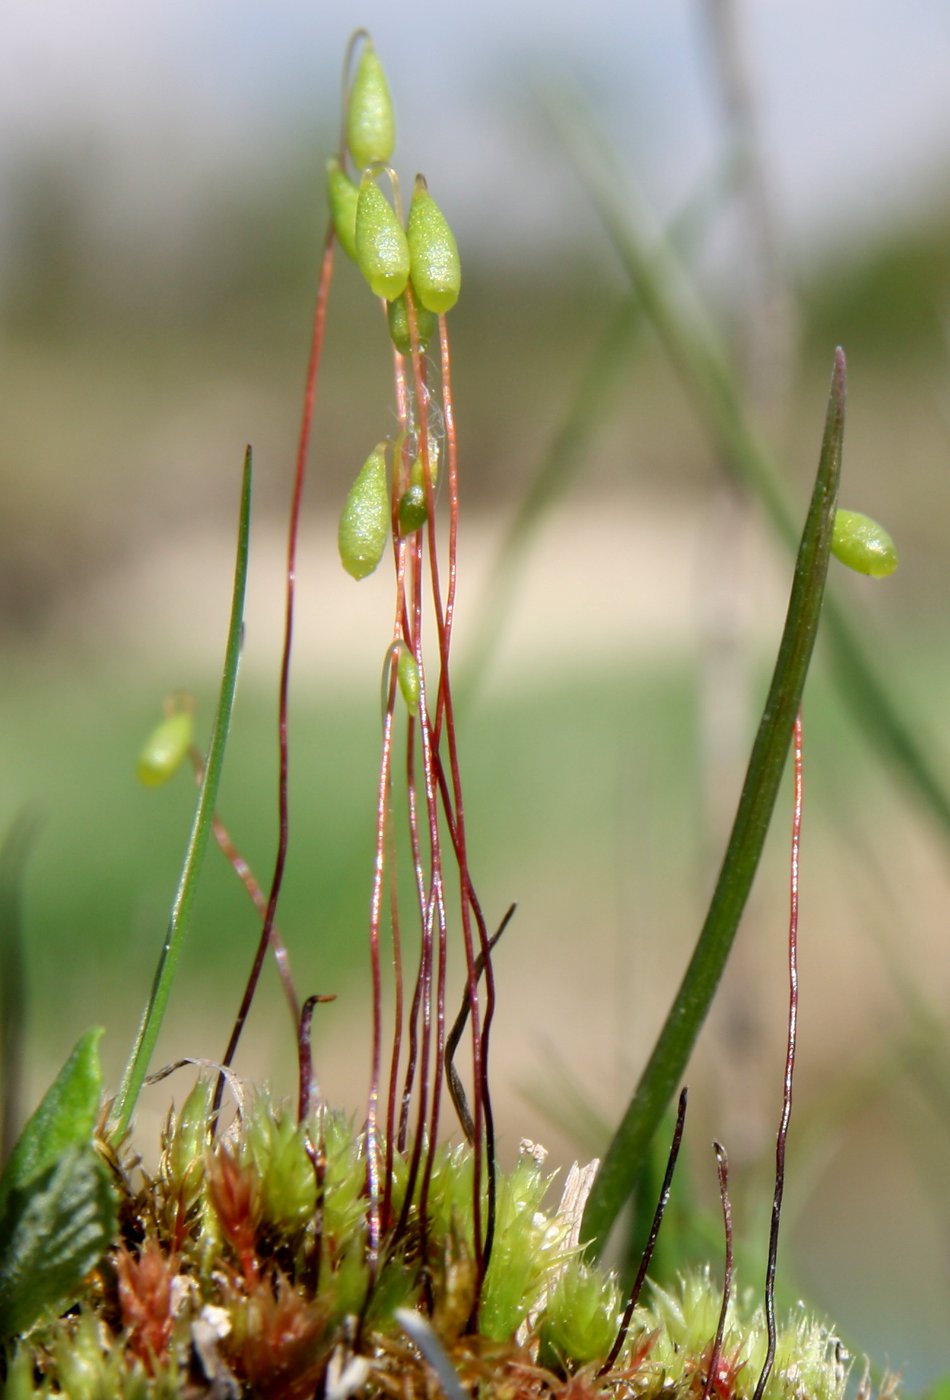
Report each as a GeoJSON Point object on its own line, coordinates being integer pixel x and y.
{"type": "Point", "coordinates": [782, 1135]}
{"type": "Point", "coordinates": [375, 925]}
{"type": "Point", "coordinates": [650, 1246]}
{"type": "Point", "coordinates": [424, 950]}
{"type": "Point", "coordinates": [256, 895]}
{"type": "Point", "coordinates": [132, 1080]}
{"type": "Point", "coordinates": [389, 855]}
{"type": "Point", "coordinates": [283, 812]}
{"type": "Point", "coordinates": [715, 1355]}
{"type": "Point", "coordinates": [631, 1141]}
{"type": "Point", "coordinates": [412, 396]}
{"type": "Point", "coordinates": [483, 1118]}
{"type": "Point", "coordinates": [441, 795]}
{"type": "Point", "coordinates": [701, 362]}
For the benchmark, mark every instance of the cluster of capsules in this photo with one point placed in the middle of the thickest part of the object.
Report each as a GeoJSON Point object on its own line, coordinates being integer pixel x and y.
{"type": "Point", "coordinates": [414, 266]}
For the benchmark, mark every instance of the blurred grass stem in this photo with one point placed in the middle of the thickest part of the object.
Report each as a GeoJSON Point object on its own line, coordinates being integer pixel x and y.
{"type": "Point", "coordinates": [700, 359]}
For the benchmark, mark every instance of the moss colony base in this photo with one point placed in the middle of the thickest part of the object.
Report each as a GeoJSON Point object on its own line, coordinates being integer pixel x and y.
{"type": "Point", "coordinates": [243, 1269]}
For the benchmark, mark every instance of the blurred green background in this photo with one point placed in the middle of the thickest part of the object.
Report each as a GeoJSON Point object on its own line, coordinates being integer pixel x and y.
{"type": "Point", "coordinates": [144, 342]}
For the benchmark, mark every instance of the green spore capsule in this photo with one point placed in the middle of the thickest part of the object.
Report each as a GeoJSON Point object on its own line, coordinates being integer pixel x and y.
{"type": "Point", "coordinates": [342, 196]}
{"type": "Point", "coordinates": [165, 749]}
{"type": "Point", "coordinates": [370, 122]}
{"type": "Point", "coordinates": [381, 248]}
{"type": "Point", "coordinates": [407, 673]}
{"type": "Point", "coordinates": [397, 314]}
{"type": "Point", "coordinates": [863, 544]}
{"type": "Point", "coordinates": [434, 255]}
{"type": "Point", "coordinates": [365, 519]}
{"type": "Point", "coordinates": [412, 509]}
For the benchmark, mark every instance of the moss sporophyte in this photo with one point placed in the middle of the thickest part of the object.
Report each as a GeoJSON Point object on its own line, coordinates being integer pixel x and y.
{"type": "Point", "coordinates": [291, 1253]}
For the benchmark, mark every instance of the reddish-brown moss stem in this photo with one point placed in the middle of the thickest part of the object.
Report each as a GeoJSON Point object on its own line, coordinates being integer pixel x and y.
{"type": "Point", "coordinates": [376, 913]}
{"type": "Point", "coordinates": [300, 472]}
{"type": "Point", "coordinates": [791, 1043]}
{"type": "Point", "coordinates": [248, 879]}
{"type": "Point", "coordinates": [398, 1013]}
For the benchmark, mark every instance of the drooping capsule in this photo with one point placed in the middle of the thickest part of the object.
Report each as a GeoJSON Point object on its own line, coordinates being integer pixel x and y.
{"type": "Point", "coordinates": [863, 544]}
{"type": "Point", "coordinates": [397, 314]}
{"type": "Point", "coordinates": [370, 122]}
{"type": "Point", "coordinates": [412, 509]}
{"type": "Point", "coordinates": [381, 248]}
{"type": "Point", "coordinates": [364, 521]}
{"type": "Point", "coordinates": [434, 256]}
{"type": "Point", "coordinates": [342, 196]}
{"type": "Point", "coordinates": [407, 672]}
{"type": "Point", "coordinates": [165, 748]}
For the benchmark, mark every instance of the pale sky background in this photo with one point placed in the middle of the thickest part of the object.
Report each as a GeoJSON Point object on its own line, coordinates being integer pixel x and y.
{"type": "Point", "coordinates": [855, 97]}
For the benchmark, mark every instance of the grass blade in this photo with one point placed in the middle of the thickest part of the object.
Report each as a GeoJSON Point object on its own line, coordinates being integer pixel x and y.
{"type": "Point", "coordinates": [137, 1067]}
{"type": "Point", "coordinates": [701, 361]}
{"type": "Point", "coordinates": [627, 1152]}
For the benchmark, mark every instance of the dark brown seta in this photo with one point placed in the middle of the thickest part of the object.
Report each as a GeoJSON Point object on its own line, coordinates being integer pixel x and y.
{"type": "Point", "coordinates": [456, 1088]}
{"type": "Point", "coordinates": [307, 1091]}
{"type": "Point", "coordinates": [652, 1237]}
{"type": "Point", "coordinates": [715, 1356]}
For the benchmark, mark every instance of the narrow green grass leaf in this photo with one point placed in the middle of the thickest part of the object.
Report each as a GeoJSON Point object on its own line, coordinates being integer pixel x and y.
{"type": "Point", "coordinates": [703, 365]}
{"type": "Point", "coordinates": [631, 1142]}
{"type": "Point", "coordinates": [137, 1067]}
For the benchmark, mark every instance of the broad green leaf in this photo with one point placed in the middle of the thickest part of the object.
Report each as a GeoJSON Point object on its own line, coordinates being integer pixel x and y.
{"type": "Point", "coordinates": [65, 1118]}
{"type": "Point", "coordinates": [57, 1201]}
{"type": "Point", "coordinates": [55, 1227]}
